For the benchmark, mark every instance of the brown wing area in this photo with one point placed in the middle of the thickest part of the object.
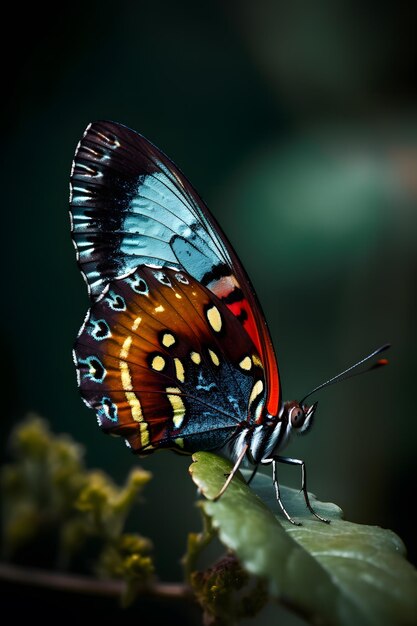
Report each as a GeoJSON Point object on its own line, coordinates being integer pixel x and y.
{"type": "Point", "coordinates": [165, 364]}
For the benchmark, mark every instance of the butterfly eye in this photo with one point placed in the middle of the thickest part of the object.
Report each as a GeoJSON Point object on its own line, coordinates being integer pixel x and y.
{"type": "Point", "coordinates": [297, 417]}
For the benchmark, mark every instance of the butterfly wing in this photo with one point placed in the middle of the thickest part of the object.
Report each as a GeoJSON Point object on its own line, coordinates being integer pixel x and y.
{"type": "Point", "coordinates": [130, 205]}
{"type": "Point", "coordinates": [165, 364]}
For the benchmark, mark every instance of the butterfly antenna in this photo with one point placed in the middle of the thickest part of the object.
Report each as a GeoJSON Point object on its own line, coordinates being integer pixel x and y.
{"type": "Point", "coordinates": [342, 376]}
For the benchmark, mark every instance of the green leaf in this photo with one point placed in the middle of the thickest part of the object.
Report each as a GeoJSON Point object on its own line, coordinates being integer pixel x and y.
{"type": "Point", "coordinates": [339, 573]}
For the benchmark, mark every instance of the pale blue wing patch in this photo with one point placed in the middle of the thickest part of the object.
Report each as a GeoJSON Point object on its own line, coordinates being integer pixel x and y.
{"type": "Point", "coordinates": [131, 206]}
{"type": "Point", "coordinates": [161, 226]}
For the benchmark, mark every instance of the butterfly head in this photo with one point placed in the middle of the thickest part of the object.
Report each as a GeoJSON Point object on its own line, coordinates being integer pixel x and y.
{"type": "Point", "coordinates": [294, 418]}
{"type": "Point", "coordinates": [299, 416]}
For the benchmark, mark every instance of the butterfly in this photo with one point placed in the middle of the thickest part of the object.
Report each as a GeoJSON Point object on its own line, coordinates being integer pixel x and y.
{"type": "Point", "coordinates": [175, 351]}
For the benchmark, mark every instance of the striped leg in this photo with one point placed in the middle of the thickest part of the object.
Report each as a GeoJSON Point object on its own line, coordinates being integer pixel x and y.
{"type": "Point", "coordinates": [290, 461]}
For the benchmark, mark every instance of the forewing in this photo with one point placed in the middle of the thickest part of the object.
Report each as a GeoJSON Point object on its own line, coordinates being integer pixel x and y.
{"type": "Point", "coordinates": [130, 205]}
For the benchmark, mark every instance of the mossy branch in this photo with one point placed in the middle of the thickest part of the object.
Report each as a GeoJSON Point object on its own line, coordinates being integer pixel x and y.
{"type": "Point", "coordinates": [85, 585]}
{"type": "Point", "coordinates": [47, 490]}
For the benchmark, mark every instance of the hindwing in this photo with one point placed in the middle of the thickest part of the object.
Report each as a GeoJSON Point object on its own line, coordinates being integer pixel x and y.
{"type": "Point", "coordinates": [165, 364]}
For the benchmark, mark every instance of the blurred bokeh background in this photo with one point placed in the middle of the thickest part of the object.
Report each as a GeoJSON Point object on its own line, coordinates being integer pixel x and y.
{"type": "Point", "coordinates": [297, 124]}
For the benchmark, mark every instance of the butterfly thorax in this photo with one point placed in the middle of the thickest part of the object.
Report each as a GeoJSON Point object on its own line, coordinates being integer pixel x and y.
{"type": "Point", "coordinates": [273, 434]}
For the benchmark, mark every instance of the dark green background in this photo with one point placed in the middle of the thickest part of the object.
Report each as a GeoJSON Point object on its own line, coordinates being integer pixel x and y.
{"type": "Point", "coordinates": [297, 124]}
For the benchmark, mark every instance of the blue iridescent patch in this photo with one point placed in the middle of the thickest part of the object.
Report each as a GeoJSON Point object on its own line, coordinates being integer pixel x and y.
{"type": "Point", "coordinates": [96, 371]}
{"type": "Point", "coordinates": [99, 329]}
{"type": "Point", "coordinates": [138, 284]}
{"type": "Point", "coordinates": [162, 278]}
{"type": "Point", "coordinates": [115, 302]}
{"type": "Point", "coordinates": [108, 410]}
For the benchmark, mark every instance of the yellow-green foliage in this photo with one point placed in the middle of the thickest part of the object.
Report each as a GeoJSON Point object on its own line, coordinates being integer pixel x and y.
{"type": "Point", "coordinates": [47, 488]}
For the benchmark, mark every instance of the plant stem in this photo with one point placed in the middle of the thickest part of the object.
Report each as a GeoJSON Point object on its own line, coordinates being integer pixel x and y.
{"type": "Point", "coordinates": [86, 585]}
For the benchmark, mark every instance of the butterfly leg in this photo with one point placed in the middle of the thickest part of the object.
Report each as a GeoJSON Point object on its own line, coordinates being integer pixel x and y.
{"type": "Point", "coordinates": [290, 461]}
{"type": "Point", "coordinates": [233, 472]}
{"type": "Point", "coordinates": [252, 476]}
{"type": "Point", "coordinates": [275, 482]}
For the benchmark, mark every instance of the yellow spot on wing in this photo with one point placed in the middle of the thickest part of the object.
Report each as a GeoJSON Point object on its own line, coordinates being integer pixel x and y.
{"type": "Point", "coordinates": [257, 361]}
{"type": "Point", "coordinates": [177, 295]}
{"type": "Point", "coordinates": [256, 390]}
{"type": "Point", "coordinates": [124, 352]}
{"type": "Point", "coordinates": [246, 363]}
{"type": "Point", "coordinates": [196, 358]}
{"type": "Point", "coordinates": [131, 397]}
{"type": "Point", "coordinates": [179, 442]}
{"type": "Point", "coordinates": [158, 363]}
{"type": "Point", "coordinates": [136, 323]}
{"type": "Point", "coordinates": [168, 340]}
{"type": "Point", "coordinates": [177, 405]}
{"type": "Point", "coordinates": [135, 407]}
{"type": "Point", "coordinates": [214, 318]}
{"type": "Point", "coordinates": [125, 376]}
{"type": "Point", "coordinates": [159, 309]}
{"type": "Point", "coordinates": [179, 370]}
{"type": "Point", "coordinates": [134, 403]}
{"type": "Point", "coordinates": [214, 357]}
